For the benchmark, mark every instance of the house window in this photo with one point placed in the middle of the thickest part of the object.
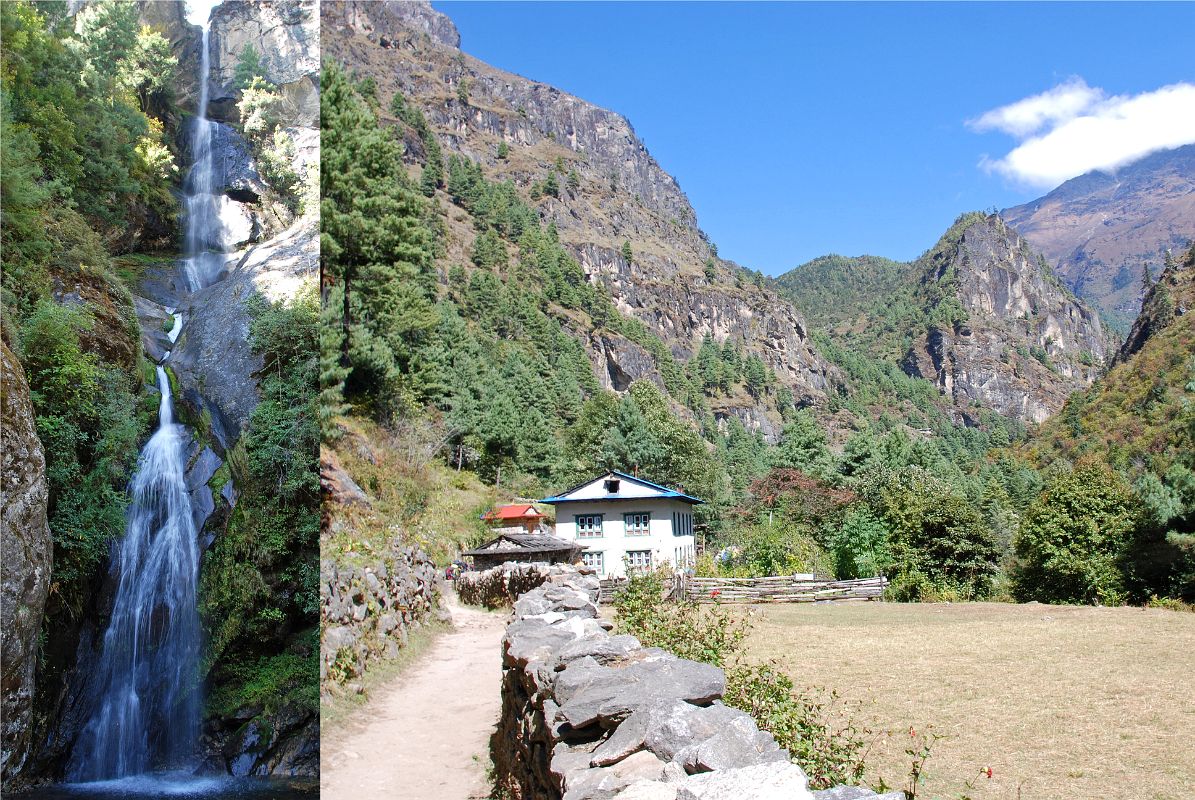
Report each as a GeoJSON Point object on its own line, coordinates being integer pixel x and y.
{"type": "Point", "coordinates": [638, 560]}
{"type": "Point", "coordinates": [589, 526]}
{"type": "Point", "coordinates": [638, 524]}
{"type": "Point", "coordinates": [595, 561]}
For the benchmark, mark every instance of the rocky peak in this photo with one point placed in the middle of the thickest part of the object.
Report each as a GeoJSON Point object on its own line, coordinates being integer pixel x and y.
{"type": "Point", "coordinates": [1101, 229]}
{"type": "Point", "coordinates": [1171, 297]}
{"type": "Point", "coordinates": [1003, 332]}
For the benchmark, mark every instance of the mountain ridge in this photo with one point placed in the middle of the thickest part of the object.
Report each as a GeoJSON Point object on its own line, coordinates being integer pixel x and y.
{"type": "Point", "coordinates": [1100, 229]}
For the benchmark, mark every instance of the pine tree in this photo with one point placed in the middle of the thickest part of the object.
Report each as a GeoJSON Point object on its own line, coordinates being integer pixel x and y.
{"type": "Point", "coordinates": [373, 245]}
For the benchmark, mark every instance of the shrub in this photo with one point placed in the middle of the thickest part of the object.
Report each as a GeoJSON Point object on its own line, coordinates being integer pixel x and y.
{"type": "Point", "coordinates": [801, 722]}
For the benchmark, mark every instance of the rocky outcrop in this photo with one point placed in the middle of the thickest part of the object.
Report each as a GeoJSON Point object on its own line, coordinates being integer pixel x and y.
{"type": "Point", "coordinates": [1100, 230]}
{"type": "Point", "coordinates": [213, 359]}
{"type": "Point", "coordinates": [285, 34]}
{"type": "Point", "coordinates": [616, 193]}
{"type": "Point", "coordinates": [587, 715]}
{"type": "Point", "coordinates": [1026, 342]}
{"type": "Point", "coordinates": [25, 562]}
{"type": "Point", "coordinates": [285, 742]}
{"type": "Point", "coordinates": [1168, 299]}
{"type": "Point", "coordinates": [368, 611]}
{"type": "Point", "coordinates": [113, 330]}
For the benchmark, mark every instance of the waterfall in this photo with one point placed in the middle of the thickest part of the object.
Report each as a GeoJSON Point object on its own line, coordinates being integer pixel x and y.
{"type": "Point", "coordinates": [145, 695]}
{"type": "Point", "coordinates": [202, 243]}
{"type": "Point", "coordinates": [146, 708]}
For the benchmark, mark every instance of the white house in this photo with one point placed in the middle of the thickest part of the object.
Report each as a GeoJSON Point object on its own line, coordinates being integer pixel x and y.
{"type": "Point", "coordinates": [625, 521]}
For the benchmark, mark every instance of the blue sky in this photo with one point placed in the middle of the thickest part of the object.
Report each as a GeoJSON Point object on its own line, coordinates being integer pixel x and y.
{"type": "Point", "coordinates": [802, 129]}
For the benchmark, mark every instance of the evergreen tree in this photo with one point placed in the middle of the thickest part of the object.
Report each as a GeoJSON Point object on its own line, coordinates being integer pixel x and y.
{"type": "Point", "coordinates": [803, 446]}
{"type": "Point", "coordinates": [373, 245]}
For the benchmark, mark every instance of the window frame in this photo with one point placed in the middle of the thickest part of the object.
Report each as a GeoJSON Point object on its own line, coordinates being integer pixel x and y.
{"type": "Point", "coordinates": [632, 566]}
{"type": "Point", "coordinates": [626, 527]}
{"type": "Point", "coordinates": [581, 534]}
{"type": "Point", "coordinates": [597, 555]}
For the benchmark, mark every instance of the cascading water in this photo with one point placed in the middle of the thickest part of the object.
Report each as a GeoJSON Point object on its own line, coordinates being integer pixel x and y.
{"type": "Point", "coordinates": [202, 245]}
{"type": "Point", "coordinates": [145, 712]}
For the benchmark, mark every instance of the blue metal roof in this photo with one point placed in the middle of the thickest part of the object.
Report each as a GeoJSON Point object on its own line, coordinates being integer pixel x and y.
{"type": "Point", "coordinates": [665, 492]}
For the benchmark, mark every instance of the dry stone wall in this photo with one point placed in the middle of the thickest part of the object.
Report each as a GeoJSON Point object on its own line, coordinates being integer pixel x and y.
{"type": "Point", "coordinates": [501, 586]}
{"type": "Point", "coordinates": [588, 715]}
{"type": "Point", "coordinates": [368, 611]}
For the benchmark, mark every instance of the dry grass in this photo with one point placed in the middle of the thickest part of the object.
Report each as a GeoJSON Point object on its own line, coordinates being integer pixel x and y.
{"type": "Point", "coordinates": [1060, 701]}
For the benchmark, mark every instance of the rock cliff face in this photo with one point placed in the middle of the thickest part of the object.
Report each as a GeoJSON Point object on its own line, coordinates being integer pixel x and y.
{"type": "Point", "coordinates": [612, 191]}
{"type": "Point", "coordinates": [1026, 342]}
{"type": "Point", "coordinates": [274, 255]}
{"type": "Point", "coordinates": [1100, 229]}
{"type": "Point", "coordinates": [286, 35]}
{"type": "Point", "coordinates": [25, 561]}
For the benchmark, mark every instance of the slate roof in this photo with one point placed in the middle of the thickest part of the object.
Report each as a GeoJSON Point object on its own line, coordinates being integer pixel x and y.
{"type": "Point", "coordinates": [523, 543]}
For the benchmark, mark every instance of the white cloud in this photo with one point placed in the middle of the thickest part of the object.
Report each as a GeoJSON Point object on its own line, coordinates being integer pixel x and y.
{"type": "Point", "coordinates": [1060, 104]}
{"type": "Point", "coordinates": [1074, 128]}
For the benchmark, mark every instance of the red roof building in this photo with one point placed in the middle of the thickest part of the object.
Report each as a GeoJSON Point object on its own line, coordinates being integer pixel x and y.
{"type": "Point", "coordinates": [516, 515]}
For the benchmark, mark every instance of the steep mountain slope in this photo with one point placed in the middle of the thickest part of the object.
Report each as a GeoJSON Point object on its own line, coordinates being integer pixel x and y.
{"type": "Point", "coordinates": [1140, 414]}
{"type": "Point", "coordinates": [980, 316]}
{"type": "Point", "coordinates": [583, 169]}
{"type": "Point", "coordinates": [1099, 229]}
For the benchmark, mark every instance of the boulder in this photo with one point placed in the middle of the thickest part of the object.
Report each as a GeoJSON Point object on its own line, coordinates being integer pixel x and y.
{"type": "Point", "coordinates": [760, 782]}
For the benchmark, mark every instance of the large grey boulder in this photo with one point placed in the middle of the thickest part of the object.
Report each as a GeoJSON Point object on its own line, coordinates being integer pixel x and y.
{"type": "Point", "coordinates": [590, 693]}
{"type": "Point", "coordinates": [760, 782]}
{"type": "Point", "coordinates": [25, 560]}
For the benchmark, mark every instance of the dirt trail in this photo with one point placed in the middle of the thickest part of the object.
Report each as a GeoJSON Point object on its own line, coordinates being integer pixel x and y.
{"type": "Point", "coordinates": [426, 735]}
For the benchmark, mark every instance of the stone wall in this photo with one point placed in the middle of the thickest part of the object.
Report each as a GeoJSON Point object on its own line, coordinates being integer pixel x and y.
{"type": "Point", "coordinates": [501, 586]}
{"type": "Point", "coordinates": [368, 611]}
{"type": "Point", "coordinates": [587, 714]}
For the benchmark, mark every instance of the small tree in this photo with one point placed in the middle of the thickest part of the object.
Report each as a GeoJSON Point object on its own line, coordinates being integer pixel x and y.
{"type": "Point", "coordinates": [503, 150]}
{"type": "Point", "coordinates": [248, 67]}
{"type": "Point", "coordinates": [627, 255]}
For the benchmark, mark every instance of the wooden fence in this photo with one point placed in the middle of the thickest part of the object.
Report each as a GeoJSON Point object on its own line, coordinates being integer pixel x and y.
{"type": "Point", "coordinates": [782, 589]}
{"type": "Point", "coordinates": [804, 588]}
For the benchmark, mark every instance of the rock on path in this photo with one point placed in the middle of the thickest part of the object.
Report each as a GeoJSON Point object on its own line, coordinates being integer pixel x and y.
{"type": "Point", "coordinates": [426, 735]}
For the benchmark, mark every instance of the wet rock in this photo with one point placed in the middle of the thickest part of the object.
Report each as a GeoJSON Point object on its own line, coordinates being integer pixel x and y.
{"type": "Point", "coordinates": [25, 561]}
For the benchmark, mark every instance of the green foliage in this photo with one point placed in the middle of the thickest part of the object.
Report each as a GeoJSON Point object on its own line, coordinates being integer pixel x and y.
{"type": "Point", "coordinates": [259, 580]}
{"type": "Point", "coordinates": [938, 542]}
{"type": "Point", "coordinates": [373, 246]}
{"type": "Point", "coordinates": [249, 68]}
{"type": "Point", "coordinates": [1074, 539]}
{"type": "Point", "coordinates": [626, 253]}
{"type": "Point", "coordinates": [78, 131]}
{"type": "Point", "coordinates": [801, 722]}
{"type": "Point", "coordinates": [89, 423]}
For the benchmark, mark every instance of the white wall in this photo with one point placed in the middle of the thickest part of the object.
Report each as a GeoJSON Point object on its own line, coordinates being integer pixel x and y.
{"type": "Point", "coordinates": [614, 543]}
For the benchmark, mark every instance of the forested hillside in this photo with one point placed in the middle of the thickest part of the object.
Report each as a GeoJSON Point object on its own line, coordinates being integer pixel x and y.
{"type": "Point", "coordinates": [980, 315]}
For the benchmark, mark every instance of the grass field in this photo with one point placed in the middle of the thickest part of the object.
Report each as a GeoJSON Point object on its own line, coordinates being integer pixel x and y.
{"type": "Point", "coordinates": [1059, 701]}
